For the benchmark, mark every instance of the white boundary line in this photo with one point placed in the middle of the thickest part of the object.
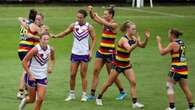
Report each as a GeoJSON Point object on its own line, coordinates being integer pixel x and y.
{"type": "Point", "coordinates": [118, 17]}
{"type": "Point", "coordinates": [151, 12]}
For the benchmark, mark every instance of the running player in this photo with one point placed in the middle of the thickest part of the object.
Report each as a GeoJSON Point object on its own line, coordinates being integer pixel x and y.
{"type": "Point", "coordinates": [81, 52]}
{"type": "Point", "coordinates": [106, 51]}
{"type": "Point", "coordinates": [122, 63]}
{"type": "Point", "coordinates": [36, 72]}
{"type": "Point", "coordinates": [179, 69]}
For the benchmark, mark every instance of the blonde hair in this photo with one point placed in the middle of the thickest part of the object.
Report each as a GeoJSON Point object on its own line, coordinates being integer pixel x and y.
{"type": "Point", "coordinates": [126, 25]}
{"type": "Point", "coordinates": [44, 33]}
{"type": "Point", "coordinates": [41, 14]}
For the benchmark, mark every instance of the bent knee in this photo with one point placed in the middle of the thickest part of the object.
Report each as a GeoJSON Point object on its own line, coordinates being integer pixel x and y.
{"type": "Point", "coordinates": [96, 71]}
{"type": "Point", "coordinates": [170, 90]}
{"type": "Point", "coordinates": [133, 83]}
{"type": "Point", "coordinates": [31, 100]}
{"type": "Point", "coordinates": [109, 83]}
{"type": "Point", "coordinates": [40, 99]}
{"type": "Point", "coordinates": [83, 75]}
{"type": "Point", "coordinates": [73, 76]}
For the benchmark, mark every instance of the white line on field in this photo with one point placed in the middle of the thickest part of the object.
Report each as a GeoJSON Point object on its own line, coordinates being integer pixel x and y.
{"type": "Point", "coordinates": [151, 12]}
{"type": "Point", "coordinates": [118, 17]}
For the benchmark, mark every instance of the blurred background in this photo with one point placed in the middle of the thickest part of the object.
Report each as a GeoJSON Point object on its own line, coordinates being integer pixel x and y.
{"type": "Point", "coordinates": [97, 1]}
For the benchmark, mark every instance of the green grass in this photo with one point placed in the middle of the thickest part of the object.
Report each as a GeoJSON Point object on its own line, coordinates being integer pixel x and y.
{"type": "Point", "coordinates": [151, 69]}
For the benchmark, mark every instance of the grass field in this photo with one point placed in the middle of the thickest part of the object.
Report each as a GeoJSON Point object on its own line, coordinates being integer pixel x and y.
{"type": "Point", "coordinates": [151, 69]}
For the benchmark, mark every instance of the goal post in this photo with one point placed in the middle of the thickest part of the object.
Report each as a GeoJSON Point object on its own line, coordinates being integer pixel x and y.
{"type": "Point", "coordinates": [140, 3]}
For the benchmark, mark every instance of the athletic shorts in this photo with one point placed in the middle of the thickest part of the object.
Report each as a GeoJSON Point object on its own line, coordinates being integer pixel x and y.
{"type": "Point", "coordinates": [106, 58]}
{"type": "Point", "coordinates": [21, 55]}
{"type": "Point", "coordinates": [79, 58]}
{"type": "Point", "coordinates": [34, 83]}
{"type": "Point", "coordinates": [120, 69]}
{"type": "Point", "coordinates": [176, 76]}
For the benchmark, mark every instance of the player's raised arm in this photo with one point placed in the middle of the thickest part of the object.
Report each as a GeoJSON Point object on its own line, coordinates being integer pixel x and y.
{"type": "Point", "coordinates": [23, 22]}
{"type": "Point", "coordinates": [106, 23]}
{"type": "Point", "coordinates": [92, 14]}
{"type": "Point", "coordinates": [37, 29]}
{"type": "Point", "coordinates": [101, 20]}
{"type": "Point", "coordinates": [166, 50]}
{"type": "Point", "coordinates": [64, 33]}
{"type": "Point", "coordinates": [144, 43]}
{"type": "Point", "coordinates": [93, 37]}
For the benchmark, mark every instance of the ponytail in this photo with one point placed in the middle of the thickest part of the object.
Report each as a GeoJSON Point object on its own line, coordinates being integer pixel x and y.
{"type": "Point", "coordinates": [126, 25]}
{"type": "Point", "coordinates": [176, 32]}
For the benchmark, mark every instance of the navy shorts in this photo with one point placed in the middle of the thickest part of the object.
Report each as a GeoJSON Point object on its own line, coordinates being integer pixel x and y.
{"type": "Point", "coordinates": [120, 69]}
{"type": "Point", "coordinates": [177, 77]}
{"type": "Point", "coordinates": [79, 58]}
{"type": "Point", "coordinates": [34, 83]}
{"type": "Point", "coordinates": [21, 55]}
{"type": "Point", "coordinates": [106, 58]}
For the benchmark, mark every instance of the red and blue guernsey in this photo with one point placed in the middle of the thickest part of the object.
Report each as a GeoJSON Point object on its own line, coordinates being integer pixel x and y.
{"type": "Point", "coordinates": [122, 55]}
{"type": "Point", "coordinates": [27, 43]}
{"type": "Point", "coordinates": [179, 63]}
{"type": "Point", "coordinates": [107, 43]}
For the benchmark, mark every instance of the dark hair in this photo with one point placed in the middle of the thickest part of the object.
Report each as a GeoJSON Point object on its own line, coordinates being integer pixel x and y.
{"type": "Point", "coordinates": [83, 12]}
{"type": "Point", "coordinates": [175, 32]}
{"type": "Point", "coordinates": [44, 33]}
{"type": "Point", "coordinates": [126, 25]}
{"type": "Point", "coordinates": [32, 14]}
{"type": "Point", "coordinates": [111, 10]}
